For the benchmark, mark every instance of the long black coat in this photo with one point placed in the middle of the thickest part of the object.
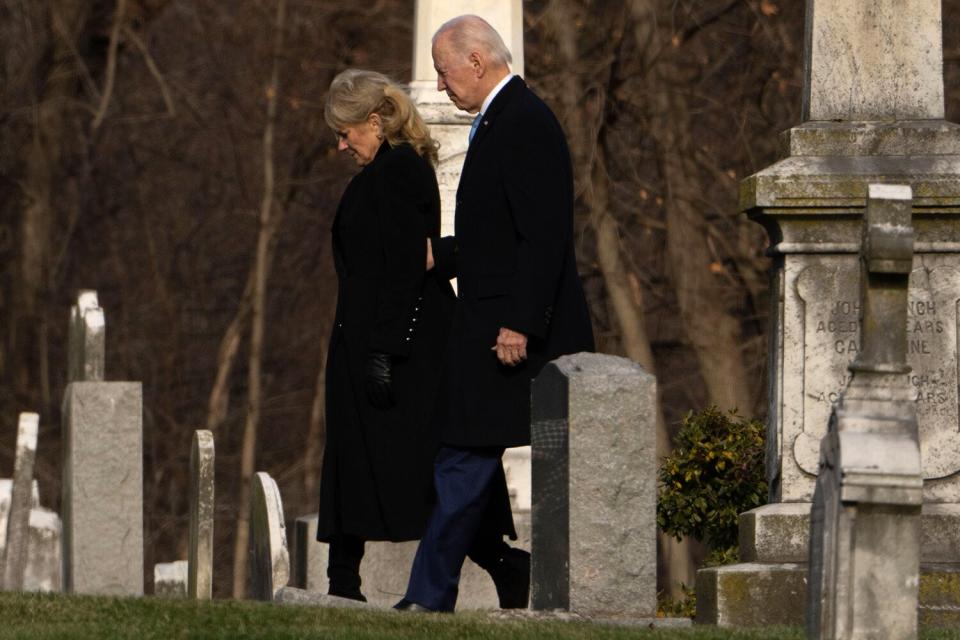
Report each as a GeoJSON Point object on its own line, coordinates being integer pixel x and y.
{"type": "Point", "coordinates": [515, 266]}
{"type": "Point", "coordinates": [376, 481]}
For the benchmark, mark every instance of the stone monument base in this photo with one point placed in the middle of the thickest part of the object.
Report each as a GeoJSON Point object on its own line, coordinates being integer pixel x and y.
{"type": "Point", "coordinates": [770, 586]}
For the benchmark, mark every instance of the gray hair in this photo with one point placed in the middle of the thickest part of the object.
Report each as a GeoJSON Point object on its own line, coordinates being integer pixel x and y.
{"type": "Point", "coordinates": [472, 33]}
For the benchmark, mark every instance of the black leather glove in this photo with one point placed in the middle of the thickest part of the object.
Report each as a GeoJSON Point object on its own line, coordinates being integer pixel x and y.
{"type": "Point", "coordinates": [379, 380]}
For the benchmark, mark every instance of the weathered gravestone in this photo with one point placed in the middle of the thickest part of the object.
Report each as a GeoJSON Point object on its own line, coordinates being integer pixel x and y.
{"type": "Point", "coordinates": [269, 558]}
{"type": "Point", "coordinates": [873, 111]}
{"type": "Point", "coordinates": [102, 467]}
{"type": "Point", "coordinates": [18, 518]}
{"type": "Point", "coordinates": [865, 524]}
{"type": "Point", "coordinates": [42, 571]}
{"type": "Point", "coordinates": [170, 579]}
{"type": "Point", "coordinates": [87, 339]}
{"type": "Point", "coordinates": [594, 487]}
{"type": "Point", "coordinates": [200, 585]}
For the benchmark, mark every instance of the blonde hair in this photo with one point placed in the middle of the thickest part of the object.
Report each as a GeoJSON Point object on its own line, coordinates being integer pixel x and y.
{"type": "Point", "coordinates": [356, 94]}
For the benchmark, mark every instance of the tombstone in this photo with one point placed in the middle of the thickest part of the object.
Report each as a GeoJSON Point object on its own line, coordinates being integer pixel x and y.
{"type": "Point", "coordinates": [386, 567]}
{"type": "Point", "coordinates": [44, 568]}
{"type": "Point", "coordinates": [102, 462]}
{"type": "Point", "coordinates": [201, 516]}
{"type": "Point", "coordinates": [87, 339]}
{"type": "Point", "coordinates": [18, 518]}
{"type": "Point", "coordinates": [873, 113]}
{"type": "Point", "coordinates": [269, 558]}
{"type": "Point", "coordinates": [42, 571]}
{"type": "Point", "coordinates": [865, 522]}
{"type": "Point", "coordinates": [170, 579]}
{"type": "Point", "coordinates": [594, 481]}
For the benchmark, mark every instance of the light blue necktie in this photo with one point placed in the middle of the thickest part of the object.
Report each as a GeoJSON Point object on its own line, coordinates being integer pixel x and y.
{"type": "Point", "coordinates": [474, 126]}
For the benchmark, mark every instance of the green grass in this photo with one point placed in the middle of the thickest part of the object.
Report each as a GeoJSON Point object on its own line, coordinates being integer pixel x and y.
{"type": "Point", "coordinates": [33, 616]}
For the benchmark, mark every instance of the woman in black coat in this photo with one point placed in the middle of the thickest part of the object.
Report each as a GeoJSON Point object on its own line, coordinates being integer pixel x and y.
{"type": "Point", "coordinates": [391, 326]}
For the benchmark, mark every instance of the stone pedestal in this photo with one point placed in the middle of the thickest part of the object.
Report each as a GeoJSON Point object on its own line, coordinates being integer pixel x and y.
{"type": "Point", "coordinates": [594, 475]}
{"type": "Point", "coordinates": [386, 567]}
{"type": "Point", "coordinates": [103, 488]}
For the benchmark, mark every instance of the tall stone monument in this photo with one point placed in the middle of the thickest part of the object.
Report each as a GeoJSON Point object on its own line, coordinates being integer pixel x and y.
{"type": "Point", "coordinates": [873, 113]}
{"type": "Point", "coordinates": [102, 501]}
{"type": "Point", "coordinates": [865, 525]}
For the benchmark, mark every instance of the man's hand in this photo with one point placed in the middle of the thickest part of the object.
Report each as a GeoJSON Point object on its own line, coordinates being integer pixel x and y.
{"type": "Point", "coordinates": [511, 347]}
{"type": "Point", "coordinates": [429, 255]}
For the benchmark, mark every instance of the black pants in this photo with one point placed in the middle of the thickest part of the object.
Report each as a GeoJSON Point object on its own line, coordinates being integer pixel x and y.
{"type": "Point", "coordinates": [343, 567]}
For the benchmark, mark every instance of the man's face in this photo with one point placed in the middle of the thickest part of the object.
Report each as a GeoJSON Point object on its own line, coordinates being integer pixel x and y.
{"type": "Point", "coordinates": [457, 76]}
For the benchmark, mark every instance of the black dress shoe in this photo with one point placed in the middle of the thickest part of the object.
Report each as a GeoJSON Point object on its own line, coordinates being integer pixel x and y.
{"type": "Point", "coordinates": [511, 577]}
{"type": "Point", "coordinates": [406, 605]}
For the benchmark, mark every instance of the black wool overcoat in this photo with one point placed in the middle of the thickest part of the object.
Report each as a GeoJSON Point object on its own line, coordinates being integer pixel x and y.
{"type": "Point", "coordinates": [376, 480]}
{"type": "Point", "coordinates": [513, 258]}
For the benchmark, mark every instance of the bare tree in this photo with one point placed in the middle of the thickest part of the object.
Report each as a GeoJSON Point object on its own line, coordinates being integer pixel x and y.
{"type": "Point", "coordinates": [261, 271]}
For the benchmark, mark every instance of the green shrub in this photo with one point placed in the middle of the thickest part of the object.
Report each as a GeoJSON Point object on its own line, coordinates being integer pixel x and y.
{"type": "Point", "coordinates": [714, 473]}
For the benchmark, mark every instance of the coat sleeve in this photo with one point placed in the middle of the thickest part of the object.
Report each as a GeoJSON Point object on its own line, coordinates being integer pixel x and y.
{"type": "Point", "coordinates": [444, 256]}
{"type": "Point", "coordinates": [400, 189]}
{"type": "Point", "coordinates": [538, 185]}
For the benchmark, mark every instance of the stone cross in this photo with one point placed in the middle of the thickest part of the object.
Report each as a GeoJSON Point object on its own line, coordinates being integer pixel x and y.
{"type": "Point", "coordinates": [873, 61]}
{"type": "Point", "coordinates": [269, 558]}
{"type": "Point", "coordinates": [18, 518]}
{"type": "Point", "coordinates": [201, 516]}
{"type": "Point", "coordinates": [594, 485]}
{"type": "Point", "coordinates": [865, 521]}
{"type": "Point", "coordinates": [87, 338]}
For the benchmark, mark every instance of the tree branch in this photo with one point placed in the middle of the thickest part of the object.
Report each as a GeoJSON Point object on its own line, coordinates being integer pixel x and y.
{"type": "Point", "coordinates": [154, 70]}
{"type": "Point", "coordinates": [118, 18]}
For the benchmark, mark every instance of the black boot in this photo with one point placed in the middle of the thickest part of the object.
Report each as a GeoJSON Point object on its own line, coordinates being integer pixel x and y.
{"type": "Point", "coordinates": [510, 570]}
{"type": "Point", "coordinates": [343, 567]}
{"type": "Point", "coordinates": [511, 576]}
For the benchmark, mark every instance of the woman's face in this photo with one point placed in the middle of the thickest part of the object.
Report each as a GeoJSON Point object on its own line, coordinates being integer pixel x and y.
{"type": "Point", "coordinates": [360, 140]}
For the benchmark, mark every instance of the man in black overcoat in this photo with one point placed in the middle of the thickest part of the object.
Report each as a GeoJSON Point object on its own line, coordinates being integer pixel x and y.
{"type": "Point", "coordinates": [520, 304]}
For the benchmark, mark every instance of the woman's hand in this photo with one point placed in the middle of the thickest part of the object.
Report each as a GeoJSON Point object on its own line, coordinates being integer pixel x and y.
{"type": "Point", "coordinates": [379, 380]}
{"type": "Point", "coordinates": [429, 255]}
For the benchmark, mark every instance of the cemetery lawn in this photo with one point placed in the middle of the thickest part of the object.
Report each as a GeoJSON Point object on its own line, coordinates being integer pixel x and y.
{"type": "Point", "coordinates": [35, 616]}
